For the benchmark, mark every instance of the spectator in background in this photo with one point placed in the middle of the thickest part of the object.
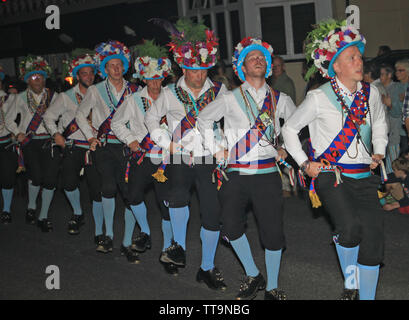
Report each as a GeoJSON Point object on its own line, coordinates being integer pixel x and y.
{"type": "Point", "coordinates": [383, 50]}
{"type": "Point", "coordinates": [402, 74]}
{"type": "Point", "coordinates": [406, 109]}
{"type": "Point", "coordinates": [394, 113]}
{"type": "Point", "coordinates": [281, 81]}
{"type": "Point", "coordinates": [219, 74]}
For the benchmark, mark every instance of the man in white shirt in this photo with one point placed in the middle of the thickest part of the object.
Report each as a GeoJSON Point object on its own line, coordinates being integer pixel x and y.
{"type": "Point", "coordinates": [189, 164]}
{"type": "Point", "coordinates": [128, 125]}
{"type": "Point", "coordinates": [8, 158]}
{"type": "Point", "coordinates": [74, 144]}
{"type": "Point", "coordinates": [41, 160]}
{"type": "Point", "coordinates": [346, 119]}
{"type": "Point", "coordinates": [251, 126]}
{"type": "Point", "coordinates": [103, 99]}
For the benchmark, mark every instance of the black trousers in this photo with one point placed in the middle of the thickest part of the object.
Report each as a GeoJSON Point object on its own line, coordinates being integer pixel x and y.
{"type": "Point", "coordinates": [73, 162]}
{"type": "Point", "coordinates": [140, 179]}
{"type": "Point", "coordinates": [182, 178]}
{"type": "Point", "coordinates": [264, 192]}
{"type": "Point", "coordinates": [111, 164]}
{"type": "Point", "coordinates": [42, 168]}
{"type": "Point", "coordinates": [355, 211]}
{"type": "Point", "coordinates": [8, 166]}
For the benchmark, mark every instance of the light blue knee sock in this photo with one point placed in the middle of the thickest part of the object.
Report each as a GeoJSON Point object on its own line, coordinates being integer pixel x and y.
{"type": "Point", "coordinates": [74, 199]}
{"type": "Point", "coordinates": [210, 240]}
{"type": "Point", "coordinates": [368, 280]}
{"type": "Point", "coordinates": [242, 248]}
{"type": "Point", "coordinates": [167, 234]}
{"type": "Point", "coordinates": [46, 197]}
{"type": "Point", "coordinates": [129, 227]}
{"type": "Point", "coordinates": [98, 214]}
{"type": "Point", "coordinates": [179, 218]}
{"type": "Point", "coordinates": [7, 197]}
{"type": "Point", "coordinates": [273, 259]}
{"type": "Point", "coordinates": [348, 258]}
{"type": "Point", "coordinates": [140, 214]}
{"type": "Point", "coordinates": [32, 195]}
{"type": "Point", "coordinates": [108, 205]}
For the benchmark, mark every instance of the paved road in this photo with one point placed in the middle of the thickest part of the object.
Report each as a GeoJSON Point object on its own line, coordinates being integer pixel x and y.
{"type": "Point", "coordinates": [309, 268]}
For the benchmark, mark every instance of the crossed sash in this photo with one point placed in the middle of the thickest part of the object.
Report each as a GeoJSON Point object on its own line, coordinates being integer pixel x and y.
{"type": "Point", "coordinates": [105, 127]}
{"type": "Point", "coordinates": [354, 120]}
{"type": "Point", "coordinates": [33, 126]}
{"type": "Point", "coordinates": [189, 121]}
{"type": "Point", "coordinates": [251, 138]}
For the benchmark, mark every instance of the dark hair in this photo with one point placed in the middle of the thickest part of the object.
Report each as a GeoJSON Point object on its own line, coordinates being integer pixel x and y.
{"type": "Point", "coordinates": [384, 50]}
{"type": "Point", "coordinates": [373, 68]}
{"type": "Point", "coordinates": [401, 163]}
{"type": "Point", "coordinates": [388, 68]}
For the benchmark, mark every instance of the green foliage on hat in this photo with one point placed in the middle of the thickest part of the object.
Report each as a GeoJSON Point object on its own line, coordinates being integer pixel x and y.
{"type": "Point", "coordinates": [315, 37]}
{"type": "Point", "coordinates": [150, 49]}
{"type": "Point", "coordinates": [192, 32]}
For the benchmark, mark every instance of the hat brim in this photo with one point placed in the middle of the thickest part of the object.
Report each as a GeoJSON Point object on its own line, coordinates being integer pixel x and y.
{"type": "Point", "coordinates": [361, 48]}
{"type": "Point", "coordinates": [114, 56]}
{"type": "Point", "coordinates": [27, 75]}
{"type": "Point", "coordinates": [77, 68]}
{"type": "Point", "coordinates": [245, 52]}
{"type": "Point", "coordinates": [195, 68]}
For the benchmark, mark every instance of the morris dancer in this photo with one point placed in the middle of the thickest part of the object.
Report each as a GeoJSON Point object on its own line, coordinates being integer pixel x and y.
{"type": "Point", "coordinates": [152, 67]}
{"type": "Point", "coordinates": [103, 99]}
{"type": "Point", "coordinates": [251, 124]}
{"type": "Point", "coordinates": [348, 130]}
{"type": "Point", "coordinates": [34, 148]}
{"type": "Point", "coordinates": [8, 158]}
{"type": "Point", "coordinates": [75, 145]}
{"type": "Point", "coordinates": [189, 164]}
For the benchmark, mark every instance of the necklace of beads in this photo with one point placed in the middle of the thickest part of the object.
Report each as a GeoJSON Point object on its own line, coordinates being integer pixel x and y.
{"type": "Point", "coordinates": [362, 104]}
{"type": "Point", "coordinates": [270, 113]}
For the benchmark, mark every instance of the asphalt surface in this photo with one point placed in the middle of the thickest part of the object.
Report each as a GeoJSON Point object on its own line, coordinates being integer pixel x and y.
{"type": "Point", "coordinates": [309, 267]}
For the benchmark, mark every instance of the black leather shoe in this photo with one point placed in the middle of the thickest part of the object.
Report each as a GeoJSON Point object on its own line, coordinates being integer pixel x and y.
{"type": "Point", "coordinates": [350, 294]}
{"type": "Point", "coordinates": [141, 242]}
{"type": "Point", "coordinates": [250, 286]}
{"type": "Point", "coordinates": [45, 225]}
{"type": "Point", "coordinates": [213, 278]}
{"type": "Point", "coordinates": [108, 245]}
{"type": "Point", "coordinates": [131, 255]}
{"type": "Point", "coordinates": [75, 223]}
{"type": "Point", "coordinates": [174, 254]}
{"type": "Point", "coordinates": [31, 216]}
{"type": "Point", "coordinates": [275, 295]}
{"type": "Point", "coordinates": [99, 241]}
{"type": "Point", "coordinates": [5, 217]}
{"type": "Point", "coordinates": [170, 268]}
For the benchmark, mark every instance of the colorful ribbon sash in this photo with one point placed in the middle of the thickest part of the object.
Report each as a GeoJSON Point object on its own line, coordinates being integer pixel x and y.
{"type": "Point", "coordinates": [189, 121]}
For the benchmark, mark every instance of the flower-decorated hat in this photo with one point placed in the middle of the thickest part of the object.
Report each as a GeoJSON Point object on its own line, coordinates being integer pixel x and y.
{"type": "Point", "coordinates": [326, 42]}
{"type": "Point", "coordinates": [194, 46]}
{"type": "Point", "coordinates": [152, 61]}
{"type": "Point", "coordinates": [2, 73]}
{"type": "Point", "coordinates": [112, 49]}
{"type": "Point", "coordinates": [243, 48]}
{"type": "Point", "coordinates": [79, 58]}
{"type": "Point", "coordinates": [31, 65]}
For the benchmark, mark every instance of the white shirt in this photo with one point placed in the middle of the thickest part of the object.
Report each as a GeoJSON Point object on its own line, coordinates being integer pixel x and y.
{"type": "Point", "coordinates": [20, 106]}
{"type": "Point", "coordinates": [237, 122]}
{"type": "Point", "coordinates": [100, 110]}
{"type": "Point", "coordinates": [325, 122]}
{"type": "Point", "coordinates": [175, 112]}
{"type": "Point", "coordinates": [3, 130]}
{"type": "Point", "coordinates": [130, 113]}
{"type": "Point", "coordinates": [63, 108]}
